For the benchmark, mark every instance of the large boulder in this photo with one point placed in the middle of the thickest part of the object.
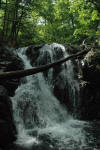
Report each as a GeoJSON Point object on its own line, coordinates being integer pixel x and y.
{"type": "Point", "coordinates": [33, 52]}
{"type": "Point", "coordinates": [7, 127]}
{"type": "Point", "coordinates": [90, 101]}
{"type": "Point", "coordinates": [91, 67]}
{"type": "Point", "coordinates": [90, 86]}
{"type": "Point", "coordinates": [10, 61]}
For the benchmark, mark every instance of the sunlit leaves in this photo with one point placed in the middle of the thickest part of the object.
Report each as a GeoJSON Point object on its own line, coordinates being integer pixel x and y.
{"type": "Point", "coordinates": [52, 20]}
{"type": "Point", "coordinates": [95, 15]}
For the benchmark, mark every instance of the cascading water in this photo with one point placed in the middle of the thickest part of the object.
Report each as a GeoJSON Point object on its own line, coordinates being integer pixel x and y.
{"type": "Point", "coordinates": [41, 121]}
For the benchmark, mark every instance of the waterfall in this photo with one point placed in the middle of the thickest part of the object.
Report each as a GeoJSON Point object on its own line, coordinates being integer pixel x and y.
{"type": "Point", "coordinates": [38, 114]}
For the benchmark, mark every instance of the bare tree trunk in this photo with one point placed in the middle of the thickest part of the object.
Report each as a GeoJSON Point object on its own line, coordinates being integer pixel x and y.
{"type": "Point", "coordinates": [7, 26]}
{"type": "Point", "coordinates": [23, 73]}
{"type": "Point", "coordinates": [18, 23]}
{"type": "Point", "coordinates": [4, 20]}
{"type": "Point", "coordinates": [14, 23]}
{"type": "Point", "coordinates": [0, 3]}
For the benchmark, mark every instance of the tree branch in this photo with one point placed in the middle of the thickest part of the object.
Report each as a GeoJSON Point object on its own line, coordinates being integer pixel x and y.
{"type": "Point", "coordinates": [34, 70]}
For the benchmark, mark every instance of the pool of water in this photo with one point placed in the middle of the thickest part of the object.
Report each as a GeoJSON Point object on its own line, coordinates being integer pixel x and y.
{"type": "Point", "coordinates": [72, 135]}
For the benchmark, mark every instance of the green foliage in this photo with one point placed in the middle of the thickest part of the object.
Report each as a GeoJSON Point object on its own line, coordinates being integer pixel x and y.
{"type": "Point", "coordinates": [46, 21]}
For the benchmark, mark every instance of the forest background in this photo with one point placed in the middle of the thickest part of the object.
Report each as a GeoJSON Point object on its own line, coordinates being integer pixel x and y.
{"type": "Point", "coordinates": [26, 22]}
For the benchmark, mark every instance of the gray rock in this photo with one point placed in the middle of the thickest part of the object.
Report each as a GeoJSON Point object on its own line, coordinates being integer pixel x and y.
{"type": "Point", "coordinates": [7, 127]}
{"type": "Point", "coordinates": [9, 61]}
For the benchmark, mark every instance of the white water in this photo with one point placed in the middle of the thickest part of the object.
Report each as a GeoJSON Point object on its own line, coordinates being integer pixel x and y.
{"type": "Point", "coordinates": [38, 112]}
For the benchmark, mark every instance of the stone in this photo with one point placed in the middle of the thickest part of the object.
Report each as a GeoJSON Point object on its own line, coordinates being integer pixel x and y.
{"type": "Point", "coordinates": [7, 127]}
{"type": "Point", "coordinates": [32, 52]}
{"type": "Point", "coordinates": [10, 61]}
{"type": "Point", "coordinates": [90, 86]}
{"type": "Point", "coordinates": [91, 71]}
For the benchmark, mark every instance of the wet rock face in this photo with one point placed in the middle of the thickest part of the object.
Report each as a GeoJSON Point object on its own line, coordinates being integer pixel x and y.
{"type": "Point", "coordinates": [45, 54]}
{"type": "Point", "coordinates": [90, 86]}
{"type": "Point", "coordinates": [90, 102]}
{"type": "Point", "coordinates": [88, 107]}
{"type": "Point", "coordinates": [9, 61]}
{"type": "Point", "coordinates": [7, 127]}
{"type": "Point", "coordinates": [33, 52]}
{"type": "Point", "coordinates": [91, 68]}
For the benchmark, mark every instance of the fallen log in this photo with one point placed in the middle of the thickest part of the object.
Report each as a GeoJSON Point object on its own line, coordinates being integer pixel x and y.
{"type": "Point", "coordinates": [34, 70]}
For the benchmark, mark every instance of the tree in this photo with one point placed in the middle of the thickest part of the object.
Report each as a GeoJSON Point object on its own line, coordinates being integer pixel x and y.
{"type": "Point", "coordinates": [35, 21]}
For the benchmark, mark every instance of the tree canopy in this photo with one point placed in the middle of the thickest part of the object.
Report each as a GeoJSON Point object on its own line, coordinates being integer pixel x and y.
{"type": "Point", "coordinates": [24, 22]}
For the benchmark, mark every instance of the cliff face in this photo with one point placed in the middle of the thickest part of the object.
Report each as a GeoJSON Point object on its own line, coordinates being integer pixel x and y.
{"type": "Point", "coordinates": [90, 85]}
{"type": "Point", "coordinates": [9, 61]}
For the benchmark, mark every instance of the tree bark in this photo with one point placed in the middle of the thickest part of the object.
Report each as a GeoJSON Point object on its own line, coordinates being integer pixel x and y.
{"type": "Point", "coordinates": [0, 4]}
{"type": "Point", "coordinates": [34, 70]}
{"type": "Point", "coordinates": [4, 21]}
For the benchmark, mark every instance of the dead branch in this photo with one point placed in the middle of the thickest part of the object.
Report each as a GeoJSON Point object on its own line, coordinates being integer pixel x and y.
{"type": "Point", "coordinates": [34, 70]}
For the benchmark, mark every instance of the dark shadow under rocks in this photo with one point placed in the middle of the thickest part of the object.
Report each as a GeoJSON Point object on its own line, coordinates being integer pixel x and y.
{"type": "Point", "coordinates": [9, 61]}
